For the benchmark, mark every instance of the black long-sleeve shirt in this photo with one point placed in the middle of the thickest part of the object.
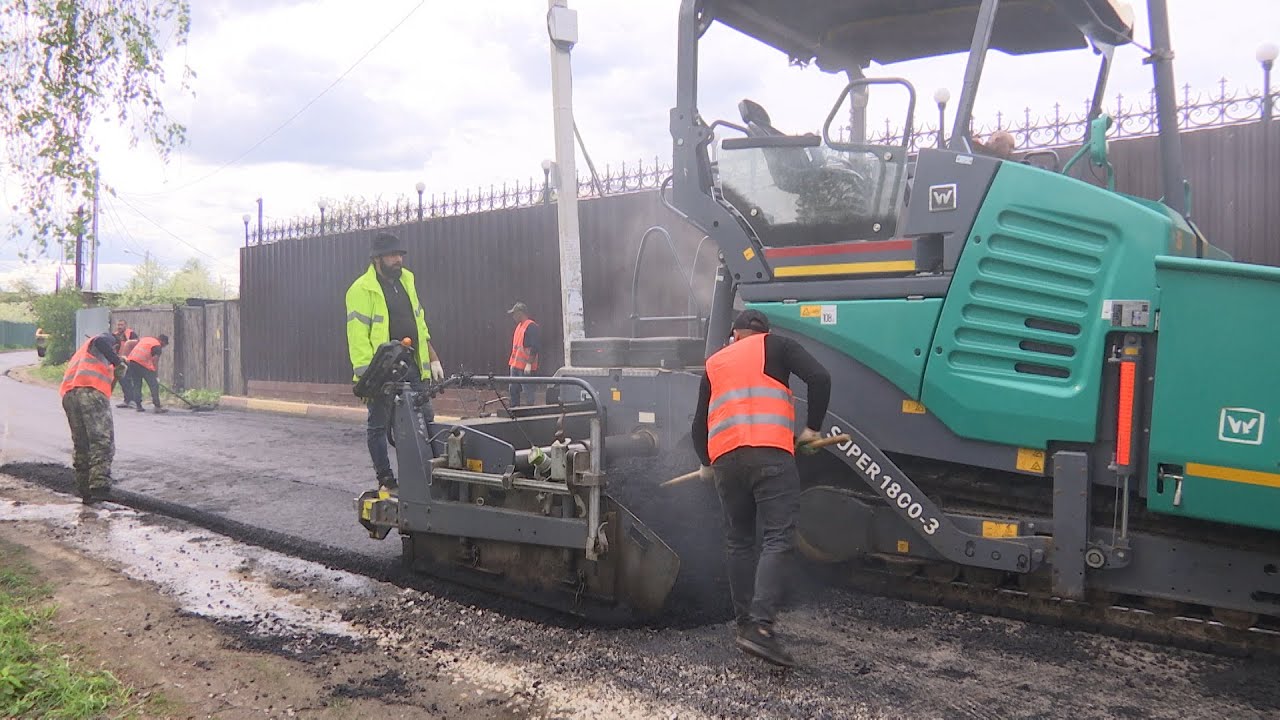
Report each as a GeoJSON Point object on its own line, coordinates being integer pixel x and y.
{"type": "Point", "coordinates": [105, 345]}
{"type": "Point", "coordinates": [783, 357]}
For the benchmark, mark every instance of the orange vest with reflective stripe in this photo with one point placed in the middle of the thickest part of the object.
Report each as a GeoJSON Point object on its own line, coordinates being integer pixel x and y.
{"type": "Point", "coordinates": [748, 408]}
{"type": "Point", "coordinates": [520, 355]}
{"type": "Point", "coordinates": [86, 369]}
{"type": "Point", "coordinates": [141, 353]}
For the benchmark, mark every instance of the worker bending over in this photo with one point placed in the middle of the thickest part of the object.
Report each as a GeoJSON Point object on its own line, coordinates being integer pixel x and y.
{"type": "Point", "coordinates": [143, 365]}
{"type": "Point", "coordinates": [743, 429]}
{"type": "Point", "coordinates": [86, 399]}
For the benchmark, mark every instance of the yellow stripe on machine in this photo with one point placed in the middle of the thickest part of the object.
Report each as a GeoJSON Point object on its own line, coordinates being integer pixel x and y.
{"type": "Point", "coordinates": [846, 268]}
{"type": "Point", "coordinates": [1249, 477]}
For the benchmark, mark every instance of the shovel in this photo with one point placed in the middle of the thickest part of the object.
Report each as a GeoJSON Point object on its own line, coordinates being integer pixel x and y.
{"type": "Point", "coordinates": [815, 445]}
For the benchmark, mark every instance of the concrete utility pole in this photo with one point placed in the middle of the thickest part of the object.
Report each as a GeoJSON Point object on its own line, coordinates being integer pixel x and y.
{"type": "Point", "coordinates": [93, 273]}
{"type": "Point", "coordinates": [562, 27]}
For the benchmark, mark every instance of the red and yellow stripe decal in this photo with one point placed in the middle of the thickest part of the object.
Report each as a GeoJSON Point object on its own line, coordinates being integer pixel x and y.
{"type": "Point", "coordinates": [805, 252]}
{"type": "Point", "coordinates": [1230, 474]}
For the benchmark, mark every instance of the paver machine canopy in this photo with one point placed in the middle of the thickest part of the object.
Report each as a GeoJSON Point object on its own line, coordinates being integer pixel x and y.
{"type": "Point", "coordinates": [1010, 345]}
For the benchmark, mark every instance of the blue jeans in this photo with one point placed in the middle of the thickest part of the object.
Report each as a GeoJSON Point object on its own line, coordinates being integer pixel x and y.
{"type": "Point", "coordinates": [380, 410]}
{"type": "Point", "coordinates": [528, 389]}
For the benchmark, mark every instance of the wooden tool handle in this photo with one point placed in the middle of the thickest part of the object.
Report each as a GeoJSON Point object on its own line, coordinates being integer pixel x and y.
{"type": "Point", "coordinates": [683, 478]}
{"type": "Point", "coordinates": [815, 445]}
{"type": "Point", "coordinates": [827, 442]}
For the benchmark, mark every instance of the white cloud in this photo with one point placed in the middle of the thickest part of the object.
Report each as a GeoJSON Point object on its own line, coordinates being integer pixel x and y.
{"type": "Point", "coordinates": [459, 97]}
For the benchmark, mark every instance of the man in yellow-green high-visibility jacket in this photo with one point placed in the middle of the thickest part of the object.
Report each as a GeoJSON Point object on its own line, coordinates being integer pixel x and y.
{"type": "Point", "coordinates": [383, 304]}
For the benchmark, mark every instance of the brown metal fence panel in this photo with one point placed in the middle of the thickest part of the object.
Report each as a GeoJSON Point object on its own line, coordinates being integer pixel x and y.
{"type": "Point", "coordinates": [470, 268]}
{"type": "Point", "coordinates": [1232, 192]}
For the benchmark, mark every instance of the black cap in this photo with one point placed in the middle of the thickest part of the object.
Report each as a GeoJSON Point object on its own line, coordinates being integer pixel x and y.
{"type": "Point", "coordinates": [751, 320]}
{"type": "Point", "coordinates": [385, 244]}
{"type": "Point", "coordinates": [519, 306]}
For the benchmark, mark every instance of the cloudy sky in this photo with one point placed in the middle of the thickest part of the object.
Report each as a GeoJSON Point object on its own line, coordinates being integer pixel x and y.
{"type": "Point", "coordinates": [458, 96]}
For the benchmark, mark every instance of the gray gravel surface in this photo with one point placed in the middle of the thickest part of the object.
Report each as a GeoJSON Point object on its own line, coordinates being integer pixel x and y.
{"type": "Point", "coordinates": [291, 480]}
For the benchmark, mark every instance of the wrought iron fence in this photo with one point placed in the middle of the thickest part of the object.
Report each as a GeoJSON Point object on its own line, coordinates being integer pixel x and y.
{"type": "Point", "coordinates": [1063, 127]}
{"type": "Point", "coordinates": [359, 215]}
{"type": "Point", "coordinates": [1059, 128]}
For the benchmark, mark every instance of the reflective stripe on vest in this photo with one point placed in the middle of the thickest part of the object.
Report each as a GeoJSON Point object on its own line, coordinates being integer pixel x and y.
{"type": "Point", "coordinates": [748, 408]}
{"type": "Point", "coordinates": [86, 369]}
{"type": "Point", "coordinates": [520, 355]}
{"type": "Point", "coordinates": [142, 353]}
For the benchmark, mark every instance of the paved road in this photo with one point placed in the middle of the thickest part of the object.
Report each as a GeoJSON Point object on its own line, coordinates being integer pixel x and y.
{"type": "Point", "coordinates": [862, 656]}
{"type": "Point", "coordinates": [294, 475]}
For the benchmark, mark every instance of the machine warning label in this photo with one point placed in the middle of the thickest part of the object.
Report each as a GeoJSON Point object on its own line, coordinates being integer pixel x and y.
{"type": "Point", "coordinates": [992, 529]}
{"type": "Point", "coordinates": [1241, 425]}
{"type": "Point", "coordinates": [1030, 460]}
{"type": "Point", "coordinates": [825, 314]}
{"type": "Point", "coordinates": [911, 407]}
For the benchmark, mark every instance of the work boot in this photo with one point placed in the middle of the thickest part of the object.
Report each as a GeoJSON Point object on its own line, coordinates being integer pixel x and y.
{"type": "Point", "coordinates": [124, 405]}
{"type": "Point", "coordinates": [161, 410]}
{"type": "Point", "coordinates": [96, 494]}
{"type": "Point", "coordinates": [388, 485]}
{"type": "Point", "coordinates": [759, 640]}
{"type": "Point", "coordinates": [140, 408]}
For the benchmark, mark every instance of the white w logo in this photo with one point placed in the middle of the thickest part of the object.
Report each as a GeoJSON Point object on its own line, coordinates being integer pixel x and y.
{"type": "Point", "coordinates": [942, 197]}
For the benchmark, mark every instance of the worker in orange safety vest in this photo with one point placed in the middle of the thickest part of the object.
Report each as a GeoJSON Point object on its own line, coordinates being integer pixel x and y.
{"type": "Point", "coordinates": [86, 400]}
{"type": "Point", "coordinates": [143, 365]}
{"type": "Point", "coordinates": [526, 346]}
{"type": "Point", "coordinates": [743, 431]}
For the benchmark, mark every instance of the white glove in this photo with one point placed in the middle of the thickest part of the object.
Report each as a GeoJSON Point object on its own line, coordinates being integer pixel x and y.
{"type": "Point", "coordinates": [528, 368]}
{"type": "Point", "coordinates": [437, 370]}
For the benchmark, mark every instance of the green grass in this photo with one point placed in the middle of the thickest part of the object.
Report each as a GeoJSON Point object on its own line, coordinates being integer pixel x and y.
{"type": "Point", "coordinates": [49, 373]}
{"type": "Point", "coordinates": [36, 679]}
{"type": "Point", "coordinates": [202, 397]}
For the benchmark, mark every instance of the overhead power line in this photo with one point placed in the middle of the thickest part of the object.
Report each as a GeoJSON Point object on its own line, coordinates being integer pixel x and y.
{"type": "Point", "coordinates": [297, 114]}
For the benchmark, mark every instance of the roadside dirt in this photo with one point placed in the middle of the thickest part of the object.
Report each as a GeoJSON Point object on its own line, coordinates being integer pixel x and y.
{"type": "Point", "coordinates": [214, 627]}
{"type": "Point", "coordinates": [185, 666]}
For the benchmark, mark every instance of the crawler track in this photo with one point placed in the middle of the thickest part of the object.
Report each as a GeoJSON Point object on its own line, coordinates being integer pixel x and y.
{"type": "Point", "coordinates": [1028, 597]}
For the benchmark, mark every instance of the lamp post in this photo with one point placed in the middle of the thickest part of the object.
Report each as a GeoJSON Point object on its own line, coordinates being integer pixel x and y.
{"type": "Point", "coordinates": [245, 218]}
{"type": "Point", "coordinates": [1266, 55]}
{"type": "Point", "coordinates": [546, 181]}
{"type": "Point", "coordinates": [322, 204]}
{"type": "Point", "coordinates": [942, 96]}
{"type": "Point", "coordinates": [420, 187]}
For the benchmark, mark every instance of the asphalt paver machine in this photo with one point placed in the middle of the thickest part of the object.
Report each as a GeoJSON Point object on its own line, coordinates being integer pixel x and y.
{"type": "Point", "coordinates": [1058, 395]}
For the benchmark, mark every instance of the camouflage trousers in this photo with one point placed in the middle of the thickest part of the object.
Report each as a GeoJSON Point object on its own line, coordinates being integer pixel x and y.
{"type": "Point", "coordinates": [93, 435]}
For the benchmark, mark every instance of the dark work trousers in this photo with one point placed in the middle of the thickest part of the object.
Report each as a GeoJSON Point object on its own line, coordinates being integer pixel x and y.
{"type": "Point", "coordinates": [133, 384]}
{"type": "Point", "coordinates": [759, 488]}
{"type": "Point", "coordinates": [521, 391]}
{"type": "Point", "coordinates": [380, 410]}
